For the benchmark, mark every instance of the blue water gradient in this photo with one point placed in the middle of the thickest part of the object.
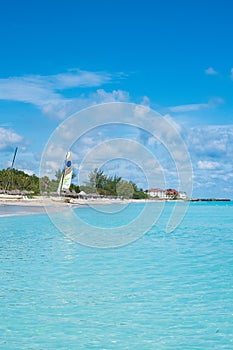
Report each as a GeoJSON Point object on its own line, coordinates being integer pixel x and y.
{"type": "Point", "coordinates": [164, 291]}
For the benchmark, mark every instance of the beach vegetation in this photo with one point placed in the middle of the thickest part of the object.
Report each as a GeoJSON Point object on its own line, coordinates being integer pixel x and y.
{"type": "Point", "coordinates": [18, 180]}
{"type": "Point", "coordinates": [101, 184]}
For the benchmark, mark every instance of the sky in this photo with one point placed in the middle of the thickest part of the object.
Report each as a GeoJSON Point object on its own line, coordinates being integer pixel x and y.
{"type": "Point", "coordinates": [176, 57]}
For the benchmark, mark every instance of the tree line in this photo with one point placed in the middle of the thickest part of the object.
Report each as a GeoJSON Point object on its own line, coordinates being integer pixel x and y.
{"type": "Point", "coordinates": [115, 186]}
{"type": "Point", "coordinates": [98, 183]}
{"type": "Point", "coordinates": [13, 179]}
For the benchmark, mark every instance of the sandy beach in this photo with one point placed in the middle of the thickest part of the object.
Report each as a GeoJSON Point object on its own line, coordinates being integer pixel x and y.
{"type": "Point", "coordinates": [10, 206]}
{"type": "Point", "coordinates": [54, 201]}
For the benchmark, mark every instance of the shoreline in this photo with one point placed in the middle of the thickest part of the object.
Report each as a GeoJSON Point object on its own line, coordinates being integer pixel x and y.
{"type": "Point", "coordinates": [16, 206]}
{"type": "Point", "coordinates": [40, 205]}
{"type": "Point", "coordinates": [41, 201]}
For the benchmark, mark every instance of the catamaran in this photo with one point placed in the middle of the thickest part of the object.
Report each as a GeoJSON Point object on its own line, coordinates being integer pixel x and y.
{"type": "Point", "coordinates": [66, 177]}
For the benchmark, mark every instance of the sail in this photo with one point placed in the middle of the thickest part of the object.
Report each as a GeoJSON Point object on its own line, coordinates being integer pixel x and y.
{"type": "Point", "coordinates": [66, 174]}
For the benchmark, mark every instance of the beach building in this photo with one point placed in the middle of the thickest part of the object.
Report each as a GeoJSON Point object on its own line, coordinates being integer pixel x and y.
{"type": "Point", "coordinates": [156, 193]}
{"type": "Point", "coordinates": [166, 194]}
{"type": "Point", "coordinates": [182, 195]}
{"type": "Point", "coordinates": [171, 193]}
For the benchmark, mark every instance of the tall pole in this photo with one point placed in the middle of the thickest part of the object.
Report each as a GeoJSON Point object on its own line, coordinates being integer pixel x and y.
{"type": "Point", "coordinates": [12, 164]}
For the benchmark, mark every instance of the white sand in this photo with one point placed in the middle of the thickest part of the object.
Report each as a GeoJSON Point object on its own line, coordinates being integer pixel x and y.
{"type": "Point", "coordinates": [18, 205]}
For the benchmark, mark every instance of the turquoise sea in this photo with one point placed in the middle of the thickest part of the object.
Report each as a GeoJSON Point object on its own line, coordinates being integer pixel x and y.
{"type": "Point", "coordinates": [164, 291]}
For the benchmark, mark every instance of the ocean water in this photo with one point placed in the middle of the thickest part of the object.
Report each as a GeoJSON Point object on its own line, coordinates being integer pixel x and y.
{"type": "Point", "coordinates": [164, 291]}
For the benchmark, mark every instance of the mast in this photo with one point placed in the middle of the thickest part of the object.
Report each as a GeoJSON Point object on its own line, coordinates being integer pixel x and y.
{"type": "Point", "coordinates": [12, 165]}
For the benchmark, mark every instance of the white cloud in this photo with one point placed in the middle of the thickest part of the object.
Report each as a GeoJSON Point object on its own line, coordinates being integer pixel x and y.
{"type": "Point", "coordinates": [27, 89]}
{"type": "Point", "coordinates": [125, 158]}
{"type": "Point", "coordinates": [171, 121]}
{"type": "Point", "coordinates": [210, 141]}
{"type": "Point", "coordinates": [211, 151]}
{"type": "Point", "coordinates": [207, 165]}
{"type": "Point", "coordinates": [87, 140]}
{"type": "Point", "coordinates": [51, 168]}
{"type": "Point", "coordinates": [145, 101]}
{"type": "Point", "coordinates": [62, 108]}
{"type": "Point", "coordinates": [78, 78]}
{"type": "Point", "coordinates": [141, 111]}
{"type": "Point", "coordinates": [8, 139]}
{"type": "Point", "coordinates": [213, 102]}
{"type": "Point", "coordinates": [189, 107]}
{"type": "Point", "coordinates": [211, 71]}
{"type": "Point", "coordinates": [38, 89]}
{"type": "Point", "coordinates": [45, 91]}
{"type": "Point", "coordinates": [27, 171]}
{"type": "Point", "coordinates": [102, 96]}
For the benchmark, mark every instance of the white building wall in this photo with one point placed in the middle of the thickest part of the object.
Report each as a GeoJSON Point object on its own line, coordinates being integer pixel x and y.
{"type": "Point", "coordinates": [157, 193]}
{"type": "Point", "coordinates": [182, 195]}
{"type": "Point", "coordinates": [161, 194]}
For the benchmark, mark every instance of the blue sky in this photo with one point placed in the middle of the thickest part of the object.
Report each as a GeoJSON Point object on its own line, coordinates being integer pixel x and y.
{"type": "Point", "coordinates": [175, 56]}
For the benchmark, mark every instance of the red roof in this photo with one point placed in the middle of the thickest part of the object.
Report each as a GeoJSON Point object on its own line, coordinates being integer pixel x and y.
{"type": "Point", "coordinates": [172, 191]}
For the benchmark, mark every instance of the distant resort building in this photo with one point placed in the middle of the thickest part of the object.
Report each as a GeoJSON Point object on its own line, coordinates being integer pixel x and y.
{"type": "Point", "coordinates": [156, 193]}
{"type": "Point", "coordinates": [166, 194]}
{"type": "Point", "coordinates": [182, 195]}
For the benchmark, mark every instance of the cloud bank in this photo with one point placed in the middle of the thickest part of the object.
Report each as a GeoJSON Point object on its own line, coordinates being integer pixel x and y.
{"type": "Point", "coordinates": [9, 139]}
{"type": "Point", "coordinates": [48, 92]}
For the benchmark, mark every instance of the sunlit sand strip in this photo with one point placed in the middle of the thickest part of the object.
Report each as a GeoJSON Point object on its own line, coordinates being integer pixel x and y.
{"type": "Point", "coordinates": [29, 206]}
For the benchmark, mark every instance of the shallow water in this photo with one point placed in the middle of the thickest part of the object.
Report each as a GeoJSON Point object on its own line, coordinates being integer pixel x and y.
{"type": "Point", "coordinates": [164, 291]}
{"type": "Point", "coordinates": [12, 210]}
